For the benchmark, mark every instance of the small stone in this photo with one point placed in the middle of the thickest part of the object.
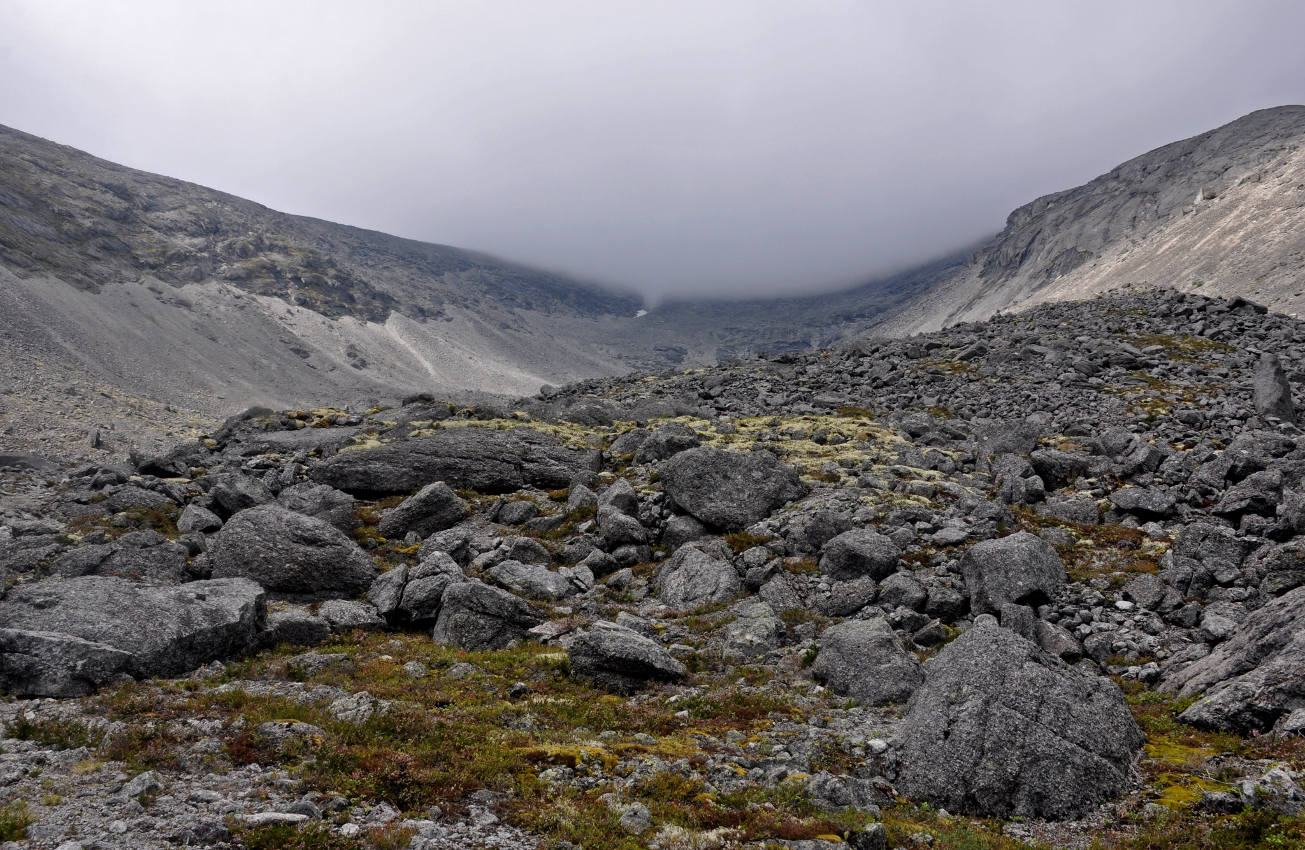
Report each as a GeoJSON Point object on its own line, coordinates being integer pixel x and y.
{"type": "Point", "coordinates": [636, 819]}
{"type": "Point", "coordinates": [273, 819]}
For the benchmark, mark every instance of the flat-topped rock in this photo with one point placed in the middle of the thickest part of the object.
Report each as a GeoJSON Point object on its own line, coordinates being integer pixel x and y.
{"type": "Point", "coordinates": [481, 459]}
{"type": "Point", "coordinates": [67, 637]}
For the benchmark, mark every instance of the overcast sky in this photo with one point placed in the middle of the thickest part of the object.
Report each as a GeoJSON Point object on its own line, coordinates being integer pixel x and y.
{"type": "Point", "coordinates": [710, 146]}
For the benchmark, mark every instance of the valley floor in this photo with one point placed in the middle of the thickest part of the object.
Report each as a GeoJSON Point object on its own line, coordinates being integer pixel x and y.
{"type": "Point", "coordinates": [1038, 581]}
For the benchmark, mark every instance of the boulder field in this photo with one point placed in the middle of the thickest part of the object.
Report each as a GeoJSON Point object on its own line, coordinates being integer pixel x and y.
{"type": "Point", "coordinates": [1046, 570]}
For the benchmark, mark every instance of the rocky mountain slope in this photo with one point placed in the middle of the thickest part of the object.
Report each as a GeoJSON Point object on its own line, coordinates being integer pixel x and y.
{"type": "Point", "coordinates": [1036, 581]}
{"type": "Point", "coordinates": [169, 294]}
{"type": "Point", "coordinates": [129, 298]}
{"type": "Point", "coordinates": [1222, 213]}
{"type": "Point", "coordinates": [160, 295]}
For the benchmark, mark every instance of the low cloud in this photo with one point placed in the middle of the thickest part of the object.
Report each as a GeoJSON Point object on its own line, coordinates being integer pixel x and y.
{"type": "Point", "coordinates": [727, 148]}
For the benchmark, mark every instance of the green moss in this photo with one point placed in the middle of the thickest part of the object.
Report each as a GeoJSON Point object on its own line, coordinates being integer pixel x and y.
{"type": "Point", "coordinates": [60, 734]}
{"type": "Point", "coordinates": [904, 820]}
{"type": "Point", "coordinates": [14, 821]}
{"type": "Point", "coordinates": [741, 541]}
{"type": "Point", "coordinates": [1183, 347]}
{"type": "Point", "coordinates": [1187, 830]}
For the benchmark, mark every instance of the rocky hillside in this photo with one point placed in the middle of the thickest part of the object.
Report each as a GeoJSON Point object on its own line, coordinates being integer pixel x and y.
{"type": "Point", "coordinates": [159, 293]}
{"type": "Point", "coordinates": [1032, 582]}
{"type": "Point", "coordinates": [1222, 214]}
{"type": "Point", "coordinates": [130, 300]}
{"type": "Point", "coordinates": [127, 298]}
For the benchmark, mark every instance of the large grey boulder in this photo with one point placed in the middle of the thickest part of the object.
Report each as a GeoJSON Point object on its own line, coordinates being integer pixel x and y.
{"type": "Point", "coordinates": [1254, 679]}
{"type": "Point", "coordinates": [433, 508]}
{"type": "Point", "coordinates": [618, 528]}
{"type": "Point", "coordinates": [620, 659]}
{"type": "Point", "coordinates": [286, 551]}
{"type": "Point", "coordinates": [475, 616]}
{"type": "Point", "coordinates": [535, 581]}
{"type": "Point", "coordinates": [621, 496]}
{"type": "Point", "coordinates": [691, 577]}
{"type": "Point", "coordinates": [319, 500]}
{"type": "Point", "coordinates": [857, 553]}
{"type": "Point", "coordinates": [865, 660]}
{"type": "Point", "coordinates": [670, 439]}
{"type": "Point", "coordinates": [424, 591]}
{"type": "Point", "coordinates": [482, 459]}
{"type": "Point", "coordinates": [234, 492]}
{"type": "Point", "coordinates": [729, 490]}
{"type": "Point", "coordinates": [1272, 390]}
{"type": "Point", "coordinates": [1002, 728]}
{"type": "Point", "coordinates": [1057, 468]}
{"type": "Point", "coordinates": [1258, 493]}
{"type": "Point", "coordinates": [755, 631]}
{"type": "Point", "coordinates": [196, 517]}
{"type": "Point", "coordinates": [66, 637]}
{"type": "Point", "coordinates": [1021, 568]}
{"type": "Point", "coordinates": [1145, 502]}
{"type": "Point", "coordinates": [141, 555]}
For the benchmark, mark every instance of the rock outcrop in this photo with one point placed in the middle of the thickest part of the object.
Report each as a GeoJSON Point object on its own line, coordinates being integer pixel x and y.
{"type": "Point", "coordinates": [480, 459]}
{"type": "Point", "coordinates": [1255, 679]}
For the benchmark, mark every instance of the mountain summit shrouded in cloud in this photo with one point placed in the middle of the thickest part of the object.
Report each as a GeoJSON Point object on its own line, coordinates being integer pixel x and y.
{"type": "Point", "coordinates": [739, 149]}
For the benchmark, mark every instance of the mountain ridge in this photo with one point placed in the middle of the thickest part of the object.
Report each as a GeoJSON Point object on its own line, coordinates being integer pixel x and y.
{"type": "Point", "coordinates": [1179, 216]}
{"type": "Point", "coordinates": [190, 301]}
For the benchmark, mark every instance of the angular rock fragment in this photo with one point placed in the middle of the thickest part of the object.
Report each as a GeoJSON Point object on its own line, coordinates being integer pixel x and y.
{"type": "Point", "coordinates": [1021, 568]}
{"type": "Point", "coordinates": [865, 660]}
{"type": "Point", "coordinates": [668, 440]}
{"type": "Point", "coordinates": [425, 587]}
{"type": "Point", "coordinates": [1272, 390]}
{"type": "Point", "coordinates": [1145, 501]}
{"type": "Point", "coordinates": [433, 508]}
{"type": "Point", "coordinates": [621, 659]}
{"type": "Point", "coordinates": [289, 552]}
{"type": "Point", "coordinates": [319, 500]}
{"type": "Point", "coordinates": [691, 577]}
{"type": "Point", "coordinates": [198, 518]}
{"type": "Point", "coordinates": [232, 493]}
{"type": "Point", "coordinates": [755, 631]}
{"type": "Point", "coordinates": [729, 490]}
{"type": "Point", "coordinates": [1001, 728]}
{"type": "Point", "coordinates": [618, 528]}
{"type": "Point", "coordinates": [66, 637]}
{"type": "Point", "coordinates": [857, 553]}
{"type": "Point", "coordinates": [532, 580]}
{"type": "Point", "coordinates": [1256, 678]}
{"type": "Point", "coordinates": [475, 616]}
